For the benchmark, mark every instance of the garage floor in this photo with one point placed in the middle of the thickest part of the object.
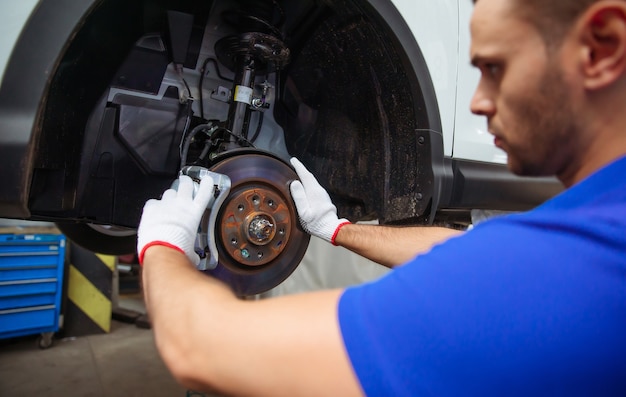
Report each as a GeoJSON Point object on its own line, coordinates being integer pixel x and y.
{"type": "Point", "coordinates": [122, 363]}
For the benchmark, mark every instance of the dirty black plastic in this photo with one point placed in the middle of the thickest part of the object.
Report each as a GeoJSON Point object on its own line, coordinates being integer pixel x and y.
{"type": "Point", "coordinates": [180, 26]}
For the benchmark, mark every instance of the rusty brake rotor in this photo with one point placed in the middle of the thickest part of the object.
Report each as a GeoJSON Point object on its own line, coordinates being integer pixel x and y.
{"type": "Point", "coordinates": [258, 235]}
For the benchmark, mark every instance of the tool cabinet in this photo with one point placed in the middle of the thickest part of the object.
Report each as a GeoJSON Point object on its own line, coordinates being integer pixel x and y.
{"type": "Point", "coordinates": [31, 281]}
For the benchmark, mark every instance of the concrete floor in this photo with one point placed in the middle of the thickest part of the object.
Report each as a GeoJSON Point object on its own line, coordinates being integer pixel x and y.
{"type": "Point", "coordinates": [123, 362]}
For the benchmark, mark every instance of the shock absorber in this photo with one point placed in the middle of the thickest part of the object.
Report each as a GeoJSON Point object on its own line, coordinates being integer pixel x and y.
{"type": "Point", "coordinates": [256, 49]}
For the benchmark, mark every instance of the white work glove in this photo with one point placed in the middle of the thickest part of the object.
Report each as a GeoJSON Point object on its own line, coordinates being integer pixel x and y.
{"type": "Point", "coordinates": [173, 221]}
{"type": "Point", "coordinates": [318, 214]}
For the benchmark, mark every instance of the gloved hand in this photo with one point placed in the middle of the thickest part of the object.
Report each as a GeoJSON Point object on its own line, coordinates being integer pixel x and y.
{"type": "Point", "coordinates": [173, 221]}
{"type": "Point", "coordinates": [318, 215]}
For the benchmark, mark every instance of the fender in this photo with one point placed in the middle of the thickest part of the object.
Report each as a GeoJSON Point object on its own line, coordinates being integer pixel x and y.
{"type": "Point", "coordinates": [24, 88]}
{"type": "Point", "coordinates": [420, 80]}
{"type": "Point", "coordinates": [435, 131]}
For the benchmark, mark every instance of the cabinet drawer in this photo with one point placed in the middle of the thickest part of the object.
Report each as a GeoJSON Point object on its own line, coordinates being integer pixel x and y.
{"type": "Point", "coordinates": [32, 318]}
{"type": "Point", "coordinates": [28, 287]}
{"type": "Point", "coordinates": [14, 273]}
{"type": "Point", "coordinates": [12, 302]}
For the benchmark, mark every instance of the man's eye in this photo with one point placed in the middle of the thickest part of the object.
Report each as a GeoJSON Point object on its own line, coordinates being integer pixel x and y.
{"type": "Point", "coordinates": [492, 69]}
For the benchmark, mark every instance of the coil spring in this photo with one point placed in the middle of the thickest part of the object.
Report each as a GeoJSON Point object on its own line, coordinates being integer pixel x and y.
{"type": "Point", "coordinates": [258, 24]}
{"type": "Point", "coordinates": [264, 16]}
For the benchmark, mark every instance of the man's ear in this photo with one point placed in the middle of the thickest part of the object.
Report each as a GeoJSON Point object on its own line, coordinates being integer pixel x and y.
{"type": "Point", "coordinates": [604, 40]}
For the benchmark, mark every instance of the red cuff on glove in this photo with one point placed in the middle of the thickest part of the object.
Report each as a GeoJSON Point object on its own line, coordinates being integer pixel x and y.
{"type": "Point", "coordinates": [332, 239]}
{"type": "Point", "coordinates": [161, 243]}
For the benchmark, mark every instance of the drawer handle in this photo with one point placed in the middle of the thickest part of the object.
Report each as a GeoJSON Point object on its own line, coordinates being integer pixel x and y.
{"type": "Point", "coordinates": [27, 309]}
{"type": "Point", "coordinates": [35, 281]}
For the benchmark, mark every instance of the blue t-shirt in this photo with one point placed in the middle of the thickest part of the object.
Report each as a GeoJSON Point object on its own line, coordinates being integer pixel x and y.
{"type": "Point", "coordinates": [526, 304]}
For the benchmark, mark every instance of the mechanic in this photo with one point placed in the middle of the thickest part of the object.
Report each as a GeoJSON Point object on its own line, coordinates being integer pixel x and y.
{"type": "Point", "coordinates": [523, 304]}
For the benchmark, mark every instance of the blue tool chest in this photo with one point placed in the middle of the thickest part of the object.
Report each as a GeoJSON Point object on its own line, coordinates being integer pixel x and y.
{"type": "Point", "coordinates": [31, 279]}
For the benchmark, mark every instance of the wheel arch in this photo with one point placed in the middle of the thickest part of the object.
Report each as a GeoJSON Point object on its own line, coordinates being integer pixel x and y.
{"type": "Point", "coordinates": [433, 181]}
{"type": "Point", "coordinates": [26, 81]}
{"type": "Point", "coordinates": [414, 59]}
{"type": "Point", "coordinates": [390, 168]}
{"type": "Point", "coordinates": [53, 27]}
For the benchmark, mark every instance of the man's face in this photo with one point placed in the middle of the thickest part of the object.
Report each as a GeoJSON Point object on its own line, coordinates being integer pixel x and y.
{"type": "Point", "coordinates": [522, 91]}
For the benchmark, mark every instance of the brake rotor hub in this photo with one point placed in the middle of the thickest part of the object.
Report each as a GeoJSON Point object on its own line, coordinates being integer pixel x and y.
{"type": "Point", "coordinates": [261, 228]}
{"type": "Point", "coordinates": [256, 222]}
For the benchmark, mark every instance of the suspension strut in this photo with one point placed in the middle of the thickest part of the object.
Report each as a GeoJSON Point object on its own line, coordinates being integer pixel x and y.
{"type": "Point", "coordinates": [256, 49]}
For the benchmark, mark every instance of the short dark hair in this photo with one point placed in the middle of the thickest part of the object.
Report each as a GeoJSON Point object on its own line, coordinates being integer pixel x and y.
{"type": "Point", "coordinates": [552, 18]}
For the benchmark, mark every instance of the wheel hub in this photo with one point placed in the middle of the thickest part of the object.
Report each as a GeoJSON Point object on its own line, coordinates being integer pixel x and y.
{"type": "Point", "coordinates": [261, 229]}
{"type": "Point", "coordinates": [256, 222]}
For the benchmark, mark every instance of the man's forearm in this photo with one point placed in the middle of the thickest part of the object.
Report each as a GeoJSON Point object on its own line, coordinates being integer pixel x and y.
{"type": "Point", "coordinates": [213, 341]}
{"type": "Point", "coordinates": [173, 290]}
{"type": "Point", "coordinates": [391, 246]}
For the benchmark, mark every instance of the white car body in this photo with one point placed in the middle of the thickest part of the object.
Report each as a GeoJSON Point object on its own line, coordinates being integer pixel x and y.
{"type": "Point", "coordinates": [12, 19]}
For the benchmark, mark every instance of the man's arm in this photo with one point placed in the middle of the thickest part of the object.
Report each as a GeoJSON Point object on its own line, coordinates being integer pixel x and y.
{"type": "Point", "coordinates": [389, 246]}
{"type": "Point", "coordinates": [211, 340]}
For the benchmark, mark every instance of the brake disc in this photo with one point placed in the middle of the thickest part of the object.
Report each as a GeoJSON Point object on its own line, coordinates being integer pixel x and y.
{"type": "Point", "coordinates": [259, 239]}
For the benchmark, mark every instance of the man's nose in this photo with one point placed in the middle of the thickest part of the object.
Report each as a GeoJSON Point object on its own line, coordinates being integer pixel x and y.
{"type": "Point", "coordinates": [481, 104]}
